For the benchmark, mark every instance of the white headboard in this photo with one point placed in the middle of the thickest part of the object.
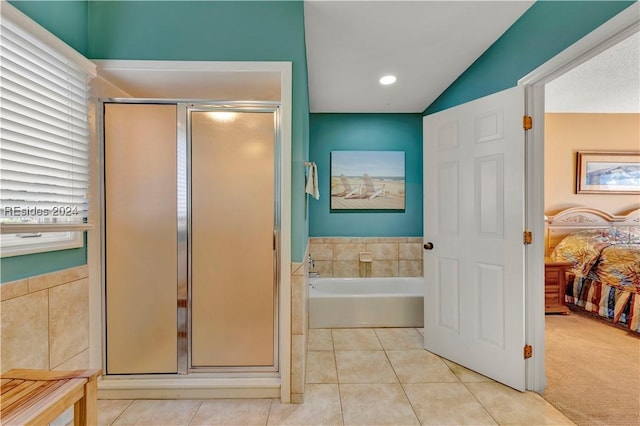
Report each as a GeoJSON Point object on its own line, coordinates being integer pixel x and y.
{"type": "Point", "coordinates": [576, 219]}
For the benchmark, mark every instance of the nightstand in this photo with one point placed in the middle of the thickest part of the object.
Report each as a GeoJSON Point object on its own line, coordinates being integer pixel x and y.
{"type": "Point", "coordinates": [555, 284]}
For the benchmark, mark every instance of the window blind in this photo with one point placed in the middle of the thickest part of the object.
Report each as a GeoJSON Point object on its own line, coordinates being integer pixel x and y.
{"type": "Point", "coordinates": [44, 129]}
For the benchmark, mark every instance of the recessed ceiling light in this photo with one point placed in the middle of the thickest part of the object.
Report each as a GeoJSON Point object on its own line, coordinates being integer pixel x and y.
{"type": "Point", "coordinates": [388, 79]}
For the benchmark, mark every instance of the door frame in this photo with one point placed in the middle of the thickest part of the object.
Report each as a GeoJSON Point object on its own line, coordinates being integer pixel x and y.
{"type": "Point", "coordinates": [185, 387]}
{"type": "Point", "coordinates": [610, 33]}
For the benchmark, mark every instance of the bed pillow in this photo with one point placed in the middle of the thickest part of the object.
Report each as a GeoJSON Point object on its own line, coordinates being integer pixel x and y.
{"type": "Point", "coordinates": [582, 249]}
{"type": "Point", "coordinates": [624, 234]}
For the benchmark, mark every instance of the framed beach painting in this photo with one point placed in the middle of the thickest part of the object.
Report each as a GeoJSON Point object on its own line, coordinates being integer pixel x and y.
{"type": "Point", "coordinates": [601, 172]}
{"type": "Point", "coordinates": [367, 180]}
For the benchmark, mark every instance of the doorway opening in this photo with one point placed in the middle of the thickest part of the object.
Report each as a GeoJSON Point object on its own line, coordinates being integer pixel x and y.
{"type": "Point", "coordinates": [611, 33]}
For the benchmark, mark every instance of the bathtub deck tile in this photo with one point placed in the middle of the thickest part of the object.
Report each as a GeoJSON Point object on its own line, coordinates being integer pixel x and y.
{"type": "Point", "coordinates": [385, 268]}
{"type": "Point", "coordinates": [410, 268]}
{"type": "Point", "coordinates": [346, 268]}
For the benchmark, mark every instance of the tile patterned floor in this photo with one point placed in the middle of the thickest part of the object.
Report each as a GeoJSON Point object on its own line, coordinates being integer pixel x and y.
{"type": "Point", "coordinates": [359, 377]}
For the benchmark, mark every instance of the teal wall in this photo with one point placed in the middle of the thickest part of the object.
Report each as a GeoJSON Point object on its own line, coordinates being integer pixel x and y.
{"type": "Point", "coordinates": [366, 132]}
{"type": "Point", "coordinates": [272, 31]}
{"type": "Point", "coordinates": [216, 31]}
{"type": "Point", "coordinates": [68, 21]}
{"type": "Point", "coordinates": [545, 30]}
{"type": "Point", "coordinates": [19, 267]}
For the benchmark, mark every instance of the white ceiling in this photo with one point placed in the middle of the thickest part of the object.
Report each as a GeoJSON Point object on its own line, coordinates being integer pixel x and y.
{"type": "Point", "coordinates": [607, 83]}
{"type": "Point", "coordinates": [426, 44]}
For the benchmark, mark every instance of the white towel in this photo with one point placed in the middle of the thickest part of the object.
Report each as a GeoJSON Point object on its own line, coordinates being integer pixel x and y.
{"type": "Point", "coordinates": [312, 182]}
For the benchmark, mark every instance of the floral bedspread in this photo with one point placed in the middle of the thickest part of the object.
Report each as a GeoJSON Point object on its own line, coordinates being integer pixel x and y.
{"type": "Point", "coordinates": [604, 256]}
{"type": "Point", "coordinates": [606, 273]}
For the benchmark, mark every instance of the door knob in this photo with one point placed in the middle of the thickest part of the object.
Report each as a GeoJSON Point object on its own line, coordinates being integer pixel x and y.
{"type": "Point", "coordinates": [428, 246]}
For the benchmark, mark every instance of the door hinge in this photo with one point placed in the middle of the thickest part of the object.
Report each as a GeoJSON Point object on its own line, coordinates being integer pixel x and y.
{"type": "Point", "coordinates": [528, 236]}
{"type": "Point", "coordinates": [527, 122]}
{"type": "Point", "coordinates": [528, 351]}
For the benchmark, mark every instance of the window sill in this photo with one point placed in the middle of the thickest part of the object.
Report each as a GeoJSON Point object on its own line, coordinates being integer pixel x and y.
{"type": "Point", "coordinates": [15, 228]}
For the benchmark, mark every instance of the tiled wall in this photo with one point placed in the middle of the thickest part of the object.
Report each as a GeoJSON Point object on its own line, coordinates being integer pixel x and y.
{"type": "Point", "coordinates": [299, 329]}
{"type": "Point", "coordinates": [45, 321]}
{"type": "Point", "coordinates": [392, 256]}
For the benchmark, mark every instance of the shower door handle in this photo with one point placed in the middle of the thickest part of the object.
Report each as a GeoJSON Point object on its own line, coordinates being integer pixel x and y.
{"type": "Point", "coordinates": [428, 246]}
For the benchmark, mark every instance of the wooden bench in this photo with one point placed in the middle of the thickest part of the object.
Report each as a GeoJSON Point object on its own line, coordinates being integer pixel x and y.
{"type": "Point", "coordinates": [37, 397]}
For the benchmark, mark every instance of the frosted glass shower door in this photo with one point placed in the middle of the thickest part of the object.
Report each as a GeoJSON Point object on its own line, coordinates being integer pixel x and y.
{"type": "Point", "coordinates": [232, 239]}
{"type": "Point", "coordinates": [141, 238]}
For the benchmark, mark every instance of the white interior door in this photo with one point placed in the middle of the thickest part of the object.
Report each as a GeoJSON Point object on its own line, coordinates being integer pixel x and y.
{"type": "Point", "coordinates": [474, 219]}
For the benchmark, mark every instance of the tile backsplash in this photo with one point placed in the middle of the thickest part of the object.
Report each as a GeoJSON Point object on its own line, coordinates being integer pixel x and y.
{"type": "Point", "coordinates": [391, 256]}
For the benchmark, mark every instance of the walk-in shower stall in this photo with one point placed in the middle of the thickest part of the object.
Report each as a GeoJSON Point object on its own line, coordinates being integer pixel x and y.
{"type": "Point", "coordinates": [190, 232]}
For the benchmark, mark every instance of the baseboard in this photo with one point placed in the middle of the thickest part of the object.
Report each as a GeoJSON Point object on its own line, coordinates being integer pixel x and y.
{"type": "Point", "coordinates": [188, 388]}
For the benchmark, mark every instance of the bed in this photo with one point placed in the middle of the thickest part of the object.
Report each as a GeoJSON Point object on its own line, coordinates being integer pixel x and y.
{"type": "Point", "coordinates": [605, 253]}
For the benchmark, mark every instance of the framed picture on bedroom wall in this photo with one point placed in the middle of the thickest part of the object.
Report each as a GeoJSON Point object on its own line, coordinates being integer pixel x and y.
{"type": "Point", "coordinates": [367, 181]}
{"type": "Point", "coordinates": [602, 172]}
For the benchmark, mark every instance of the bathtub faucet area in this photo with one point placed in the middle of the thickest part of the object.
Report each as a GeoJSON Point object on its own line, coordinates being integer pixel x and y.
{"type": "Point", "coordinates": [364, 266]}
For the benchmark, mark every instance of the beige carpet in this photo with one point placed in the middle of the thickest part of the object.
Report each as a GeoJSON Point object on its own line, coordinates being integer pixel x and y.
{"type": "Point", "coordinates": [593, 371]}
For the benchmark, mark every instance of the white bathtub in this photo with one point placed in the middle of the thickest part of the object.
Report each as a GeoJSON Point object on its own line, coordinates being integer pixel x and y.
{"type": "Point", "coordinates": [366, 302]}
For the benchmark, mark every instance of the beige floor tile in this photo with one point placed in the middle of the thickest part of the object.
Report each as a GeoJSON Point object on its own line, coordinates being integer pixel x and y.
{"type": "Point", "coordinates": [321, 367]}
{"type": "Point", "coordinates": [421, 331]}
{"type": "Point", "coordinates": [464, 374]}
{"type": "Point", "coordinates": [376, 404]}
{"type": "Point", "coordinates": [446, 404]}
{"type": "Point", "coordinates": [232, 412]}
{"type": "Point", "coordinates": [510, 407]}
{"type": "Point", "coordinates": [420, 366]}
{"type": "Point", "coordinates": [111, 409]}
{"type": "Point", "coordinates": [355, 339]}
{"type": "Point", "coordinates": [320, 340]}
{"type": "Point", "coordinates": [399, 338]}
{"type": "Point", "coordinates": [159, 412]}
{"type": "Point", "coordinates": [364, 367]}
{"type": "Point", "coordinates": [321, 407]}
